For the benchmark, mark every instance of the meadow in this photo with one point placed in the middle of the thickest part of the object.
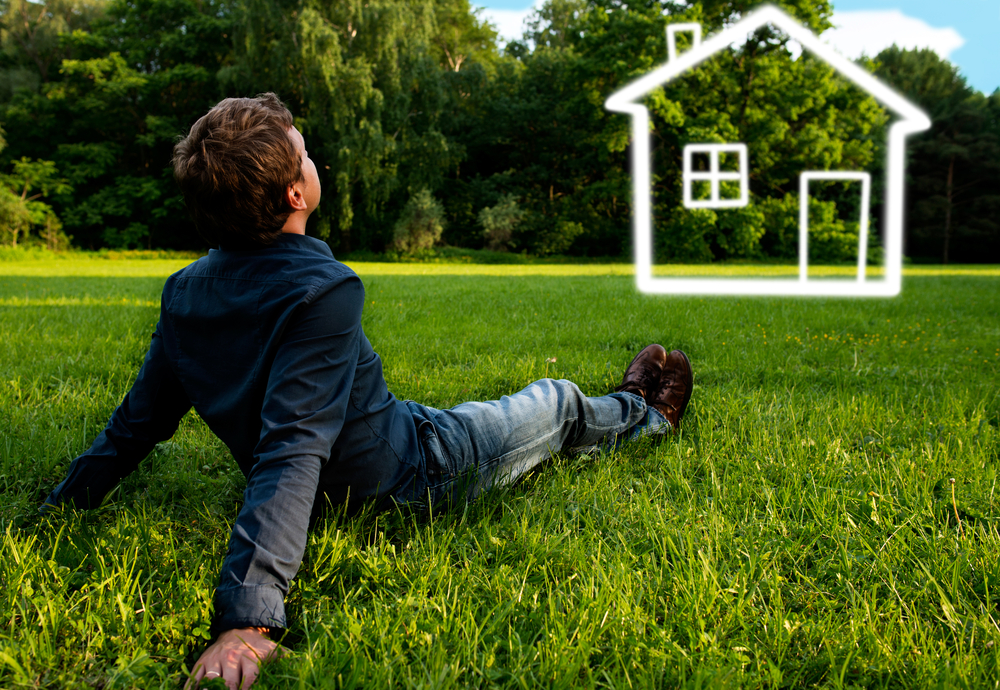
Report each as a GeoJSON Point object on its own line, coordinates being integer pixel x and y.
{"type": "Point", "coordinates": [826, 517]}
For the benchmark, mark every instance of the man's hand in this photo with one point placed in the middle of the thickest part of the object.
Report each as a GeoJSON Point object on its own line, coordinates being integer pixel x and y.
{"type": "Point", "coordinates": [235, 657]}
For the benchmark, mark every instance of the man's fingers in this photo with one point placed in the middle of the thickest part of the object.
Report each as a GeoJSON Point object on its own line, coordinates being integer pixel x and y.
{"type": "Point", "coordinates": [249, 668]}
{"type": "Point", "coordinates": [194, 680]}
{"type": "Point", "coordinates": [233, 675]}
{"type": "Point", "coordinates": [234, 657]}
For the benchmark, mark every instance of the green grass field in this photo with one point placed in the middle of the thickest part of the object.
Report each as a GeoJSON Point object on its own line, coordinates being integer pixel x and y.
{"type": "Point", "coordinates": [801, 531]}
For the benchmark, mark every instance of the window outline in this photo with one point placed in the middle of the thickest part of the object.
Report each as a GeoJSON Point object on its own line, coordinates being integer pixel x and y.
{"type": "Point", "coordinates": [715, 176]}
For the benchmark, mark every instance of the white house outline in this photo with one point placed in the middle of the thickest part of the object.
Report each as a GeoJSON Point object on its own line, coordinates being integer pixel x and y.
{"type": "Point", "coordinates": [714, 176]}
{"type": "Point", "coordinates": [628, 100]}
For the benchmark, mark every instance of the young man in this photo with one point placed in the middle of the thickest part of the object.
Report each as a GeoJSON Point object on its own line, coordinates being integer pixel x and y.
{"type": "Point", "coordinates": [263, 338]}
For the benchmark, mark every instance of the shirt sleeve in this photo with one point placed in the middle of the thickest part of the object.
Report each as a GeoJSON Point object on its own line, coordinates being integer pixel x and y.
{"type": "Point", "coordinates": [305, 405]}
{"type": "Point", "coordinates": [150, 413]}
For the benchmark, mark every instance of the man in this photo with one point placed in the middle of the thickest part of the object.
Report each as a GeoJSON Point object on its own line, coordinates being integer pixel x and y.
{"type": "Point", "coordinates": [263, 338]}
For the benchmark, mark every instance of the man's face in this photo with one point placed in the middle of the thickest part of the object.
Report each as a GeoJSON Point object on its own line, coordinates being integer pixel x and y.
{"type": "Point", "coordinates": [311, 189]}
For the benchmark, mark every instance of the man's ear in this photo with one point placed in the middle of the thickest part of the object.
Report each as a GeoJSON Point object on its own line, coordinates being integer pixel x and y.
{"type": "Point", "coordinates": [294, 196]}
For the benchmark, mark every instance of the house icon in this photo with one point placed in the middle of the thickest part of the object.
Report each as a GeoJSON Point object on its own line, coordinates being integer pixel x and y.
{"type": "Point", "coordinates": [719, 184]}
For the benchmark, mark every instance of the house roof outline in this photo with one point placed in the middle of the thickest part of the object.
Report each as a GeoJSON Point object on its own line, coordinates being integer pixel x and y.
{"type": "Point", "coordinates": [911, 120]}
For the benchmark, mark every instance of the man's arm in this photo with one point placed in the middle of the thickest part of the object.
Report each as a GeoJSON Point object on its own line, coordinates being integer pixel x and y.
{"type": "Point", "coordinates": [150, 413]}
{"type": "Point", "coordinates": [305, 405]}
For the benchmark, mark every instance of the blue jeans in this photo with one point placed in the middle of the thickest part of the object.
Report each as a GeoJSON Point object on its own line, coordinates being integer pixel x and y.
{"type": "Point", "coordinates": [475, 446]}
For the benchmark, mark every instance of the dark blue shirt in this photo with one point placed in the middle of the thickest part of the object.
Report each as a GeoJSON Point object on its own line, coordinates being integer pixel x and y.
{"type": "Point", "coordinates": [267, 346]}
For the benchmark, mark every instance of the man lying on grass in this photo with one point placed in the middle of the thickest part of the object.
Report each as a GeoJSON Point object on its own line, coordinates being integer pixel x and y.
{"type": "Point", "coordinates": [263, 338]}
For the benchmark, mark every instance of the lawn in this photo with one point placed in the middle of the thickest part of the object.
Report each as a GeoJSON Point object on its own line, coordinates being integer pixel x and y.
{"type": "Point", "coordinates": [827, 517]}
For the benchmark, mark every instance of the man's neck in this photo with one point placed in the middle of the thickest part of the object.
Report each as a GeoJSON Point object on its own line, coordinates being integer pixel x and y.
{"type": "Point", "coordinates": [295, 225]}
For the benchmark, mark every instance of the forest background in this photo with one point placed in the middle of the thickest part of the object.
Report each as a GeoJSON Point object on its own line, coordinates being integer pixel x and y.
{"type": "Point", "coordinates": [425, 130]}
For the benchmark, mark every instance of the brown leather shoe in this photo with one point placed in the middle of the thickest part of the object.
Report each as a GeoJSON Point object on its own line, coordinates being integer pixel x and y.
{"type": "Point", "coordinates": [644, 374]}
{"type": "Point", "coordinates": [674, 392]}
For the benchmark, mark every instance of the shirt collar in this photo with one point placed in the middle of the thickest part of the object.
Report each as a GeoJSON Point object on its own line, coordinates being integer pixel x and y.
{"type": "Point", "coordinates": [287, 240]}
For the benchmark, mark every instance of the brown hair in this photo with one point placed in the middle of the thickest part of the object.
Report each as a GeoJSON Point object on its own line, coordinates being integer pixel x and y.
{"type": "Point", "coordinates": [233, 169]}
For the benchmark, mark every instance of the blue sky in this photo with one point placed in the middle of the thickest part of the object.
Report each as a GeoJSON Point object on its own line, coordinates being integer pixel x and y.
{"type": "Point", "coordinates": [963, 31]}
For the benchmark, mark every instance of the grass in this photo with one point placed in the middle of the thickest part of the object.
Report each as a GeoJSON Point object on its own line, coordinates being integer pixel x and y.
{"type": "Point", "coordinates": [801, 531]}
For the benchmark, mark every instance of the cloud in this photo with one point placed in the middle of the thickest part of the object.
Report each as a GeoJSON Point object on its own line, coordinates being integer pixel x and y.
{"type": "Point", "coordinates": [509, 23]}
{"type": "Point", "coordinates": [870, 32]}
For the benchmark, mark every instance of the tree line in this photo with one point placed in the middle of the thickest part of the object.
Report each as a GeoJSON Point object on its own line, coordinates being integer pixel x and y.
{"type": "Point", "coordinates": [425, 130]}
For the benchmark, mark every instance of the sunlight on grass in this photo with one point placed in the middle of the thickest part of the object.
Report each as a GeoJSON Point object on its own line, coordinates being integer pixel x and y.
{"type": "Point", "coordinates": [800, 531]}
{"type": "Point", "coordinates": [152, 268]}
{"type": "Point", "coordinates": [163, 268]}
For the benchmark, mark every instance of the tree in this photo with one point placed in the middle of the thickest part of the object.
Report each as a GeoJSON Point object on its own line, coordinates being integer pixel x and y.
{"type": "Point", "coordinates": [500, 221]}
{"type": "Point", "coordinates": [20, 208]}
{"type": "Point", "coordinates": [128, 84]}
{"type": "Point", "coordinates": [32, 39]}
{"type": "Point", "coordinates": [545, 136]}
{"type": "Point", "coordinates": [555, 24]}
{"type": "Point", "coordinates": [954, 170]}
{"type": "Point", "coordinates": [420, 225]}
{"type": "Point", "coordinates": [369, 94]}
{"type": "Point", "coordinates": [461, 36]}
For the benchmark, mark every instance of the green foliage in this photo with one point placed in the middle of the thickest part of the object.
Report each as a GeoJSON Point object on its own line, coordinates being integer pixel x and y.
{"type": "Point", "coordinates": [954, 170]}
{"type": "Point", "coordinates": [396, 96]}
{"type": "Point", "coordinates": [15, 218]}
{"type": "Point", "coordinates": [130, 78]}
{"type": "Point", "coordinates": [558, 240]}
{"type": "Point", "coordinates": [831, 239]}
{"type": "Point", "coordinates": [20, 210]}
{"type": "Point", "coordinates": [420, 225]}
{"type": "Point", "coordinates": [797, 115]}
{"type": "Point", "coordinates": [499, 222]}
{"type": "Point", "coordinates": [365, 86]}
{"type": "Point", "coordinates": [35, 39]}
{"type": "Point", "coordinates": [461, 37]}
{"type": "Point", "coordinates": [686, 235]}
{"type": "Point", "coordinates": [798, 532]}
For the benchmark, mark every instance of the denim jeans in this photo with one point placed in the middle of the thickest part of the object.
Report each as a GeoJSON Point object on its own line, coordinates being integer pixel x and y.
{"type": "Point", "coordinates": [475, 446]}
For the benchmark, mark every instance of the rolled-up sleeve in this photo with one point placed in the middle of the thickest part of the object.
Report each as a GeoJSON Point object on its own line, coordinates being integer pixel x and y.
{"type": "Point", "coordinates": [308, 390]}
{"type": "Point", "coordinates": [150, 413]}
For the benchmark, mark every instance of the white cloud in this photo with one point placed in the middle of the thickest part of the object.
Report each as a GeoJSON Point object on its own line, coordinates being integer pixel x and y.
{"type": "Point", "coordinates": [510, 23]}
{"type": "Point", "coordinates": [870, 32]}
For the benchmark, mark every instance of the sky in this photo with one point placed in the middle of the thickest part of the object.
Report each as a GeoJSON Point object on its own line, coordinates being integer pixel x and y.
{"type": "Point", "coordinates": [962, 31]}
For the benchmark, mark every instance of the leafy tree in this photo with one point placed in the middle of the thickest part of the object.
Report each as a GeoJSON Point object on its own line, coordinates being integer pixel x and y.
{"type": "Point", "coordinates": [461, 36]}
{"type": "Point", "coordinates": [394, 96]}
{"type": "Point", "coordinates": [33, 39]}
{"type": "Point", "coordinates": [369, 95]}
{"type": "Point", "coordinates": [544, 134]}
{"type": "Point", "coordinates": [420, 225]}
{"type": "Point", "coordinates": [14, 216]}
{"type": "Point", "coordinates": [20, 208]}
{"type": "Point", "coordinates": [500, 221]}
{"type": "Point", "coordinates": [141, 74]}
{"type": "Point", "coordinates": [954, 169]}
{"type": "Point", "coordinates": [555, 24]}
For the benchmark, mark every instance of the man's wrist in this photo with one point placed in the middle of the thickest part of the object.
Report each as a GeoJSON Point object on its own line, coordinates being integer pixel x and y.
{"type": "Point", "coordinates": [266, 632]}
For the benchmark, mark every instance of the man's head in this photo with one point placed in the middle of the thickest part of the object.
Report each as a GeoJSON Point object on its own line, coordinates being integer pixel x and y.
{"type": "Point", "coordinates": [235, 169]}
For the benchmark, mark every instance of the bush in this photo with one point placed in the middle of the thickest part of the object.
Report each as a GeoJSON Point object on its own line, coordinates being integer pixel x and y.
{"type": "Point", "coordinates": [500, 221]}
{"type": "Point", "coordinates": [685, 236]}
{"type": "Point", "coordinates": [831, 239]}
{"type": "Point", "coordinates": [15, 217]}
{"type": "Point", "coordinates": [420, 224]}
{"type": "Point", "coordinates": [558, 239]}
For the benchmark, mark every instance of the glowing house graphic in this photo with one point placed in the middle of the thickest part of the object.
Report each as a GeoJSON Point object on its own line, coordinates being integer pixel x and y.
{"type": "Point", "coordinates": [908, 119]}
